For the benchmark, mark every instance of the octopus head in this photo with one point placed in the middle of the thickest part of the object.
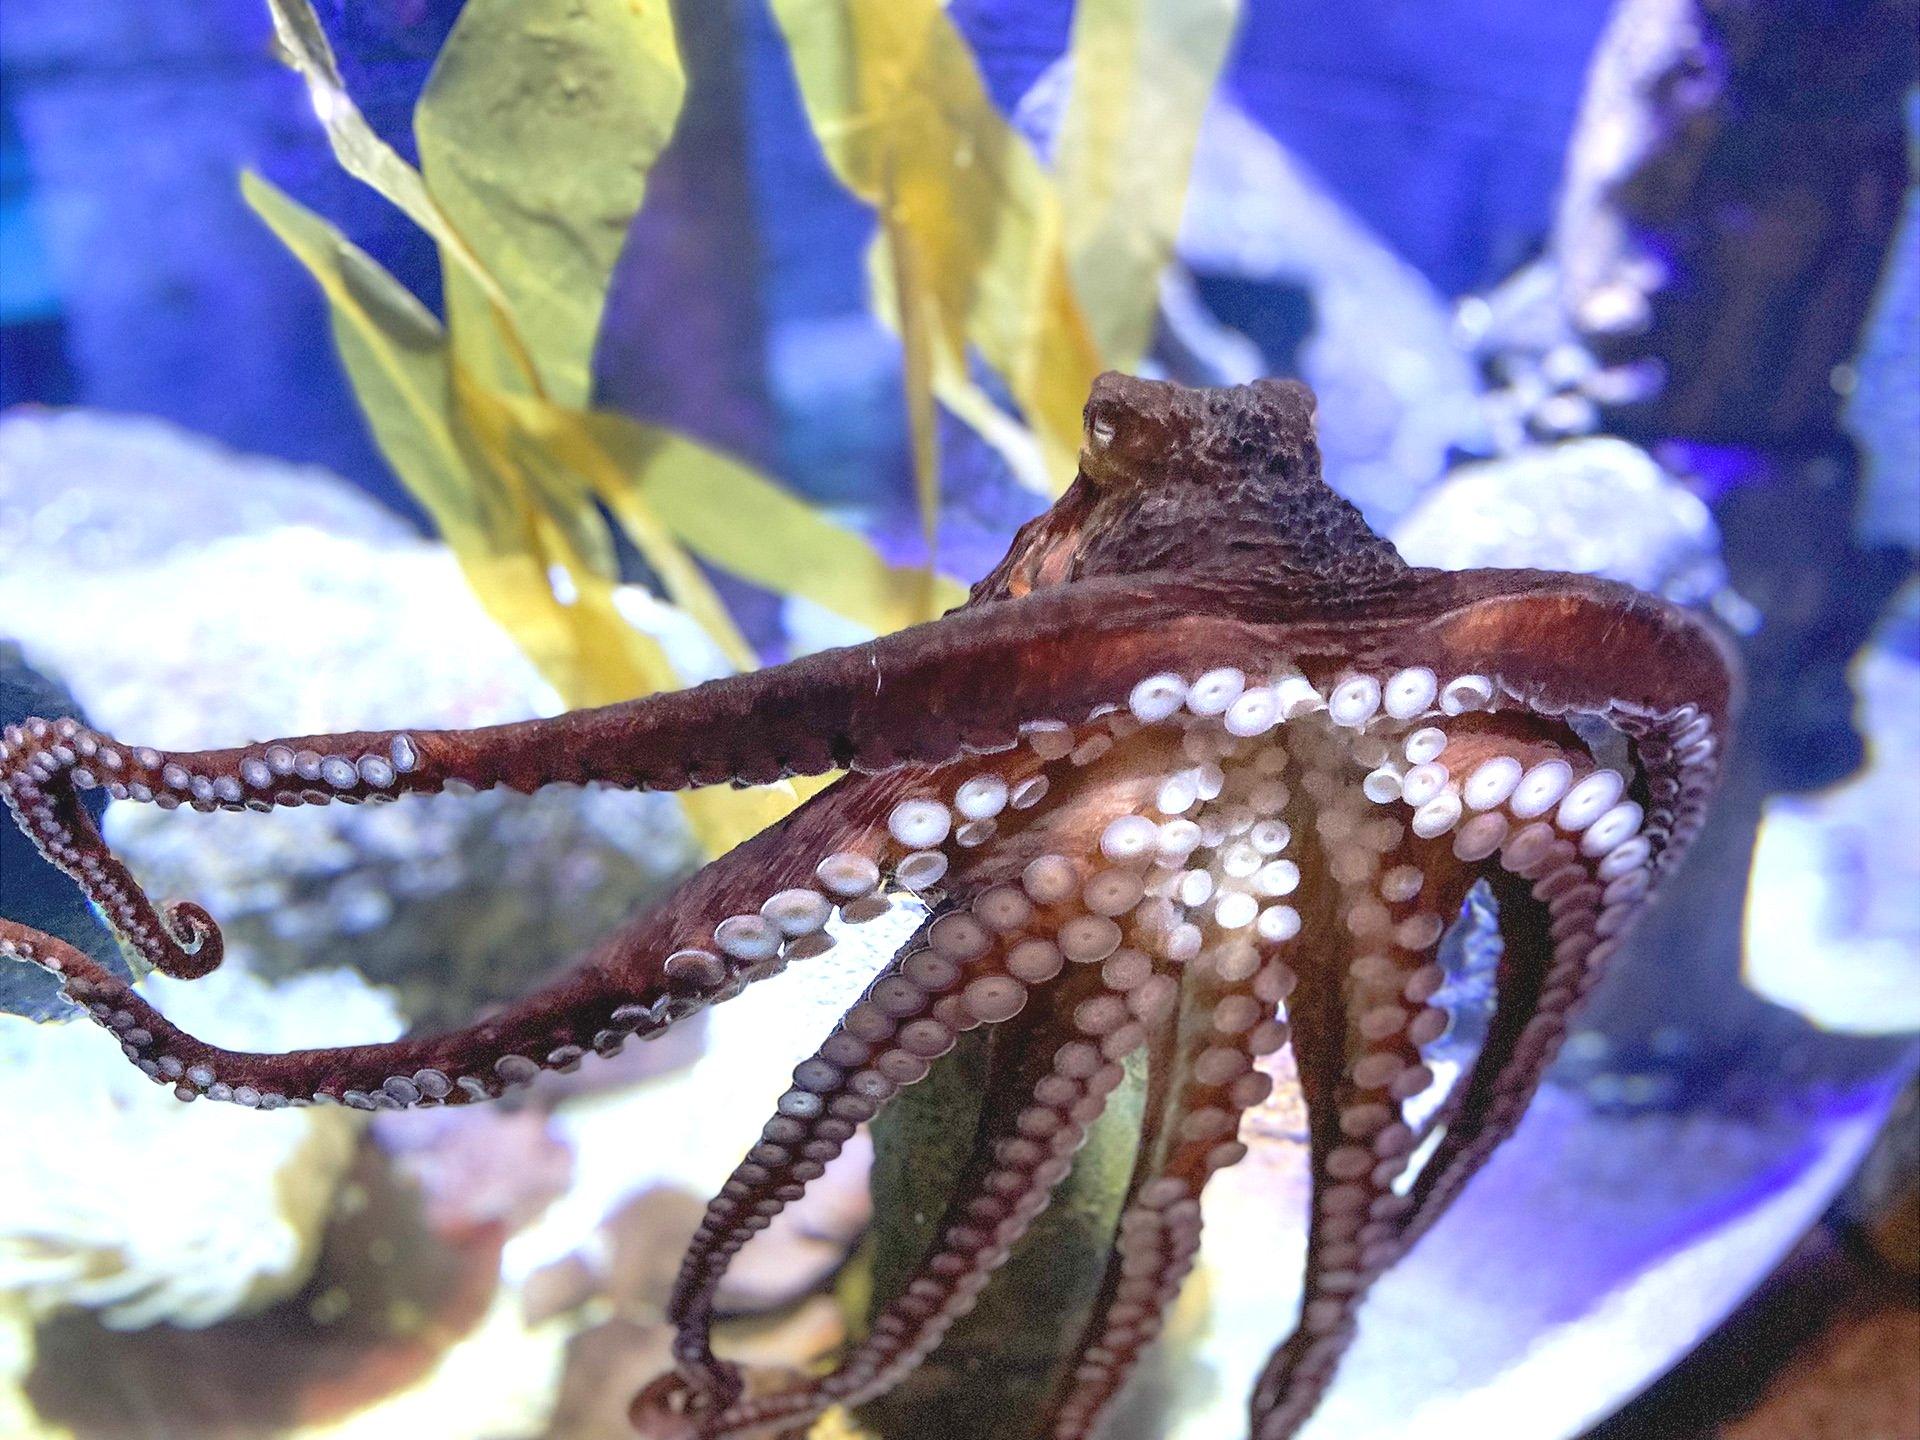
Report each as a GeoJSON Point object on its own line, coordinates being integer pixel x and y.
{"type": "Point", "coordinates": [1225, 481]}
{"type": "Point", "coordinates": [1148, 437]}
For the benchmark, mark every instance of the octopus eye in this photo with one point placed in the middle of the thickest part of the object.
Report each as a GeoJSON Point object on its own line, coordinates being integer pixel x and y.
{"type": "Point", "coordinates": [1105, 414]}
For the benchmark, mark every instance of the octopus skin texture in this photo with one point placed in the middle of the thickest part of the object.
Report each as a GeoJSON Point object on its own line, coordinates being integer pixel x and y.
{"type": "Point", "coordinates": [1202, 770]}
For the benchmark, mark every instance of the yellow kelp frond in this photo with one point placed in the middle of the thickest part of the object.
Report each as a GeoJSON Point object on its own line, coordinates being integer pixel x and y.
{"type": "Point", "coordinates": [395, 354]}
{"type": "Point", "coordinates": [553, 446]}
{"type": "Point", "coordinates": [302, 44]}
{"type": "Point", "coordinates": [1048, 277]}
{"type": "Point", "coordinates": [837, 1424]}
{"type": "Point", "coordinates": [701, 495]}
{"type": "Point", "coordinates": [1143, 72]}
{"type": "Point", "coordinates": [906, 122]}
{"type": "Point", "coordinates": [494, 493]}
{"type": "Point", "coordinates": [918, 324]}
{"type": "Point", "coordinates": [537, 130]}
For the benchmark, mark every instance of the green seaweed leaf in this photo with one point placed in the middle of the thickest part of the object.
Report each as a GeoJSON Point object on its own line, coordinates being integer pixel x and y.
{"type": "Point", "coordinates": [493, 491]}
{"type": "Point", "coordinates": [789, 546]}
{"type": "Point", "coordinates": [897, 103]}
{"type": "Point", "coordinates": [395, 353]}
{"type": "Point", "coordinates": [1143, 72]}
{"type": "Point", "coordinates": [916, 323]}
{"type": "Point", "coordinates": [537, 130]}
{"type": "Point", "coordinates": [302, 43]}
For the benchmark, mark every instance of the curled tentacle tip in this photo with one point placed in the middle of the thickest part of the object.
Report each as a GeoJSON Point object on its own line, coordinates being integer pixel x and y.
{"type": "Point", "coordinates": [199, 945]}
{"type": "Point", "coordinates": [672, 1406]}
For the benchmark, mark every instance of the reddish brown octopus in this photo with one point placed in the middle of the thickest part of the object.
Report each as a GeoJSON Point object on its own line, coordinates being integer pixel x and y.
{"type": "Point", "coordinates": [1203, 769]}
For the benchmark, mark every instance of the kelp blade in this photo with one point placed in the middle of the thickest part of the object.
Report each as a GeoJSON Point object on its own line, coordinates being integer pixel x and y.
{"type": "Point", "coordinates": [898, 105]}
{"type": "Point", "coordinates": [302, 44]}
{"type": "Point", "coordinates": [790, 547]}
{"type": "Point", "coordinates": [1143, 72]}
{"type": "Point", "coordinates": [451, 442]}
{"type": "Point", "coordinates": [537, 130]}
{"type": "Point", "coordinates": [916, 325]}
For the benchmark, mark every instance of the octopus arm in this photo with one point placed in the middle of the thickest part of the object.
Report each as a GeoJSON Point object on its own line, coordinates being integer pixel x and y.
{"type": "Point", "coordinates": [1534, 993]}
{"type": "Point", "coordinates": [1202, 1082]}
{"type": "Point", "coordinates": [1033, 1125]}
{"type": "Point", "coordinates": [742, 917]}
{"type": "Point", "coordinates": [966, 682]}
{"type": "Point", "coordinates": [1359, 1017]}
{"type": "Point", "coordinates": [956, 974]}
{"type": "Point", "coordinates": [1560, 849]}
{"type": "Point", "coordinates": [1026, 926]}
{"type": "Point", "coordinates": [745, 916]}
{"type": "Point", "coordinates": [969, 682]}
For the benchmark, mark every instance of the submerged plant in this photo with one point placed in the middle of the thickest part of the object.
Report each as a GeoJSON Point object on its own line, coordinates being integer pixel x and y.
{"type": "Point", "coordinates": [1011, 284]}
{"type": "Point", "coordinates": [536, 133]}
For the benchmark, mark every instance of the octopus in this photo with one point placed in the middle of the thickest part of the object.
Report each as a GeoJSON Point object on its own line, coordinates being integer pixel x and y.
{"type": "Point", "coordinates": [1202, 771]}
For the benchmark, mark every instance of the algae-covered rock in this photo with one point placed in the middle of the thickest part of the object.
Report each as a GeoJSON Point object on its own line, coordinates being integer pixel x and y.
{"type": "Point", "coordinates": [124, 1201]}
{"type": "Point", "coordinates": [205, 597]}
{"type": "Point", "coordinates": [1594, 506]}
